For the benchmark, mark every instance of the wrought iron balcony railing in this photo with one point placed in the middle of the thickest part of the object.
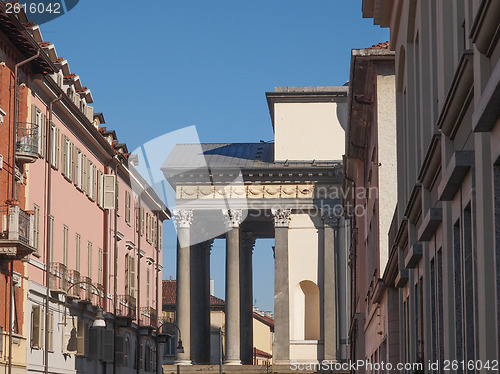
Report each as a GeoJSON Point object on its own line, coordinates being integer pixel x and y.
{"type": "Point", "coordinates": [126, 306]}
{"type": "Point", "coordinates": [148, 316]}
{"type": "Point", "coordinates": [86, 292]}
{"type": "Point", "coordinates": [27, 142]}
{"type": "Point", "coordinates": [16, 231]}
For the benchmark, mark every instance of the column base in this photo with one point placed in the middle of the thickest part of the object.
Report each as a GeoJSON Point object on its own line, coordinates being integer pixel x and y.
{"type": "Point", "coordinates": [183, 362]}
{"type": "Point", "coordinates": [232, 362]}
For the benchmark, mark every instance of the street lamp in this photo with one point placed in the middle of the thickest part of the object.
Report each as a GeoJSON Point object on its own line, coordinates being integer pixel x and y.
{"type": "Point", "coordinates": [99, 318]}
{"type": "Point", "coordinates": [180, 348]}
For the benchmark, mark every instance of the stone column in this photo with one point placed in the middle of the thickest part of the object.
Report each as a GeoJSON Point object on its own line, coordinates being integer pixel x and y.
{"type": "Point", "coordinates": [330, 284]}
{"type": "Point", "coordinates": [200, 302]}
{"type": "Point", "coordinates": [232, 218]}
{"type": "Point", "coordinates": [183, 220]}
{"type": "Point", "coordinates": [247, 241]}
{"type": "Point", "coordinates": [281, 350]}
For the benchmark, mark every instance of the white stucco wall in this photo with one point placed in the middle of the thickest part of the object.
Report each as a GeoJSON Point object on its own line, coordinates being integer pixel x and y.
{"type": "Point", "coordinates": [308, 131]}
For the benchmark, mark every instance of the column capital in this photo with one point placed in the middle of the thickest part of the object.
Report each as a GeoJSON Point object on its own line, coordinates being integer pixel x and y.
{"type": "Point", "coordinates": [232, 217]}
{"type": "Point", "coordinates": [330, 217]}
{"type": "Point", "coordinates": [182, 217]}
{"type": "Point", "coordinates": [281, 217]}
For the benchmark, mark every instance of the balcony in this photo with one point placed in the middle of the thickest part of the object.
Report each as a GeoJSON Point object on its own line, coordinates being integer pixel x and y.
{"type": "Point", "coordinates": [27, 143]}
{"type": "Point", "coordinates": [125, 309]}
{"type": "Point", "coordinates": [86, 290]}
{"type": "Point", "coordinates": [73, 278]}
{"type": "Point", "coordinates": [16, 233]}
{"type": "Point", "coordinates": [58, 279]}
{"type": "Point", "coordinates": [148, 317]}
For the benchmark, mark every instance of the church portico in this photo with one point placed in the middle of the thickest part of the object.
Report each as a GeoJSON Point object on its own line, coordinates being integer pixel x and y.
{"type": "Point", "coordinates": [241, 193]}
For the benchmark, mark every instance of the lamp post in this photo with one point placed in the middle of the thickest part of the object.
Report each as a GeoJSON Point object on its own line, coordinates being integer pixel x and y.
{"type": "Point", "coordinates": [99, 318]}
{"type": "Point", "coordinates": [180, 348]}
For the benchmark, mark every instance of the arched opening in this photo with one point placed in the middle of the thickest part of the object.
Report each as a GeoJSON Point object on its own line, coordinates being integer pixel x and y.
{"type": "Point", "coordinates": [311, 310]}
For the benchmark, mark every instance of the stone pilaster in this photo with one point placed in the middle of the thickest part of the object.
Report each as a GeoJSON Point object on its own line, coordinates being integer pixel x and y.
{"type": "Point", "coordinates": [281, 287]}
{"type": "Point", "coordinates": [330, 284]}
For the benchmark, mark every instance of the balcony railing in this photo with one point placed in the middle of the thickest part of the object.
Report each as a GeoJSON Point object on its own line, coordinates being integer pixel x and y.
{"type": "Point", "coordinates": [58, 277]}
{"type": "Point", "coordinates": [126, 306]}
{"type": "Point", "coordinates": [148, 316]}
{"type": "Point", "coordinates": [27, 142]}
{"type": "Point", "coordinates": [73, 278]}
{"type": "Point", "coordinates": [16, 224]}
{"type": "Point", "coordinates": [86, 290]}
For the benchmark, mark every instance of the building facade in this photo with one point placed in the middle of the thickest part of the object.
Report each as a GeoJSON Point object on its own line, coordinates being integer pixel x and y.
{"type": "Point", "coordinates": [92, 227]}
{"type": "Point", "coordinates": [281, 190]}
{"type": "Point", "coordinates": [445, 232]}
{"type": "Point", "coordinates": [20, 60]}
{"type": "Point", "coordinates": [370, 188]}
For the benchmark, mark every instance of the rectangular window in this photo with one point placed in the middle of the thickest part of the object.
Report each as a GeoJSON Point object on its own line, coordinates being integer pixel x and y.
{"type": "Point", "coordinates": [90, 182]}
{"type": "Point", "coordinates": [147, 286]}
{"type": "Point", "coordinates": [89, 259]}
{"type": "Point", "coordinates": [55, 146]}
{"type": "Point", "coordinates": [37, 335]}
{"type": "Point", "coordinates": [94, 183]}
{"type": "Point", "coordinates": [84, 173]}
{"type": "Point", "coordinates": [147, 227]}
{"type": "Point", "coordinates": [131, 268]}
{"type": "Point", "coordinates": [36, 227]}
{"type": "Point", "coordinates": [50, 330]}
{"type": "Point", "coordinates": [142, 221]}
{"type": "Point", "coordinates": [127, 207]}
{"type": "Point", "coordinates": [65, 244]}
{"type": "Point", "coordinates": [51, 238]}
{"type": "Point", "coordinates": [78, 168]}
{"type": "Point", "coordinates": [160, 236]}
{"type": "Point", "coordinates": [77, 252]}
{"type": "Point", "coordinates": [81, 338]}
{"type": "Point", "coordinates": [38, 120]}
{"type": "Point", "coordinates": [100, 278]}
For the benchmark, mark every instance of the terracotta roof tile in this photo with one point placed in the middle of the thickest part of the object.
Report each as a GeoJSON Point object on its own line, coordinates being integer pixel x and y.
{"type": "Point", "coordinates": [71, 76]}
{"type": "Point", "coordinates": [44, 44]}
{"type": "Point", "coordinates": [59, 59]}
{"type": "Point", "coordinates": [169, 292]}
{"type": "Point", "coordinates": [261, 353]}
{"type": "Point", "coordinates": [383, 45]}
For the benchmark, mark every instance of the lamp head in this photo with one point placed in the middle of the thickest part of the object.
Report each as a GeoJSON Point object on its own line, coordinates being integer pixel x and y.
{"type": "Point", "coordinates": [180, 348]}
{"type": "Point", "coordinates": [99, 319]}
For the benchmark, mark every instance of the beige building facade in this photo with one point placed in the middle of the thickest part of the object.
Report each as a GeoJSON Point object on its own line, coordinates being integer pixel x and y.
{"type": "Point", "coordinates": [445, 233]}
{"type": "Point", "coordinates": [370, 187]}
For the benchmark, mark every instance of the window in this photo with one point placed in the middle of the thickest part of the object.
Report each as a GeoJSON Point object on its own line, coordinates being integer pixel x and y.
{"type": "Point", "coordinates": [65, 244]}
{"type": "Point", "coordinates": [147, 286]}
{"type": "Point", "coordinates": [160, 236]}
{"type": "Point", "coordinates": [78, 169]}
{"type": "Point", "coordinates": [55, 146]}
{"type": "Point", "coordinates": [89, 259]}
{"type": "Point", "coordinates": [37, 335]}
{"type": "Point", "coordinates": [38, 119]}
{"type": "Point", "coordinates": [148, 233]}
{"type": "Point", "coordinates": [100, 278]}
{"type": "Point", "coordinates": [77, 252]}
{"type": "Point", "coordinates": [51, 238]}
{"type": "Point", "coordinates": [66, 157]}
{"type": "Point", "coordinates": [81, 338]}
{"type": "Point", "coordinates": [99, 188]}
{"type": "Point", "coordinates": [130, 275]}
{"type": "Point", "coordinates": [36, 227]}
{"type": "Point", "coordinates": [50, 330]}
{"type": "Point", "coordinates": [127, 207]}
{"type": "Point", "coordinates": [90, 182]}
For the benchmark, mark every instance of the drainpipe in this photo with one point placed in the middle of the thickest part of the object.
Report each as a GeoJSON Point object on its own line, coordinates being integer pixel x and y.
{"type": "Point", "coordinates": [14, 189]}
{"type": "Point", "coordinates": [47, 238]}
{"type": "Point", "coordinates": [157, 270]}
{"type": "Point", "coordinates": [115, 258]}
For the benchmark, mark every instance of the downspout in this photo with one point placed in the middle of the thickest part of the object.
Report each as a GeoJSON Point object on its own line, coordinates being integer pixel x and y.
{"type": "Point", "coordinates": [115, 258]}
{"type": "Point", "coordinates": [47, 235]}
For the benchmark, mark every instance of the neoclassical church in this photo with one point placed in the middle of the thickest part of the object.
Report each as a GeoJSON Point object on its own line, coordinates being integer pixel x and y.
{"type": "Point", "coordinates": [289, 190]}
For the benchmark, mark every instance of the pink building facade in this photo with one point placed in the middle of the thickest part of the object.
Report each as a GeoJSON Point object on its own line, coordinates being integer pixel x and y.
{"type": "Point", "coordinates": [98, 241]}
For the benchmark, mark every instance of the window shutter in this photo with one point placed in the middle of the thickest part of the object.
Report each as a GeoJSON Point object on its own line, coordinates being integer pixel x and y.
{"type": "Point", "coordinates": [119, 350]}
{"type": "Point", "coordinates": [43, 124]}
{"type": "Point", "coordinates": [50, 328]}
{"type": "Point", "coordinates": [132, 275]}
{"type": "Point", "coordinates": [95, 343]}
{"type": "Point", "coordinates": [64, 154]}
{"type": "Point", "coordinates": [127, 275]}
{"type": "Point", "coordinates": [84, 172]}
{"type": "Point", "coordinates": [81, 334]}
{"type": "Point", "coordinates": [127, 206]}
{"type": "Point", "coordinates": [108, 345]}
{"type": "Point", "coordinates": [37, 327]}
{"type": "Point", "coordinates": [94, 187]}
{"type": "Point", "coordinates": [142, 221]}
{"type": "Point", "coordinates": [72, 163]}
{"type": "Point", "coordinates": [109, 193]}
{"type": "Point", "coordinates": [99, 188]}
{"type": "Point", "coordinates": [58, 148]}
{"type": "Point", "coordinates": [160, 236]}
{"type": "Point", "coordinates": [78, 162]}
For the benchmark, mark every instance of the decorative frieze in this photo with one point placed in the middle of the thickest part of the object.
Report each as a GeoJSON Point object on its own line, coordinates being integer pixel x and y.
{"type": "Point", "coordinates": [232, 217]}
{"type": "Point", "coordinates": [260, 191]}
{"type": "Point", "coordinates": [182, 217]}
{"type": "Point", "coordinates": [281, 217]}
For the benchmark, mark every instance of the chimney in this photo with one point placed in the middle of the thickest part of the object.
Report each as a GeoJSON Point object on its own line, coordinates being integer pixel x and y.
{"type": "Point", "coordinates": [212, 287]}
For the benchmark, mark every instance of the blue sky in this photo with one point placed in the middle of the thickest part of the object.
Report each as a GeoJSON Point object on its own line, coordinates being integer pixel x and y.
{"type": "Point", "coordinates": [157, 66]}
